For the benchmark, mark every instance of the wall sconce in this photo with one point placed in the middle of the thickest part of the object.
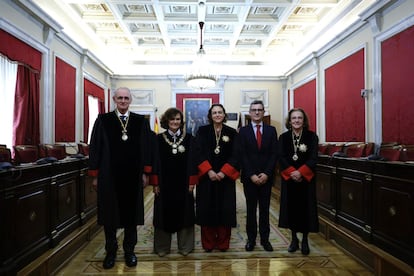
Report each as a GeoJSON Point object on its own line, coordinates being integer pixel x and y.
{"type": "Point", "coordinates": [364, 93]}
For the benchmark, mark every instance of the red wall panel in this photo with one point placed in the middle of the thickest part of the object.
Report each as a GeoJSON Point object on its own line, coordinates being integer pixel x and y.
{"type": "Point", "coordinates": [305, 98]}
{"type": "Point", "coordinates": [344, 106]}
{"type": "Point", "coordinates": [65, 104]}
{"type": "Point", "coordinates": [398, 87]}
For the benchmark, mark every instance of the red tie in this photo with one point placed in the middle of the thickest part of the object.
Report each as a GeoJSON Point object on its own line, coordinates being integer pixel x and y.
{"type": "Point", "coordinates": [258, 136]}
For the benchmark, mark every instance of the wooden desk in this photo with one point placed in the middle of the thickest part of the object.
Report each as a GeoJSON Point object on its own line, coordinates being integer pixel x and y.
{"type": "Point", "coordinates": [39, 206]}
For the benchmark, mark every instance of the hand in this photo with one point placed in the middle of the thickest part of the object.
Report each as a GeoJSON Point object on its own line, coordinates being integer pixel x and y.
{"type": "Point", "coordinates": [263, 178]}
{"type": "Point", "coordinates": [156, 190]}
{"type": "Point", "coordinates": [255, 179]}
{"type": "Point", "coordinates": [212, 175]}
{"type": "Point", "coordinates": [95, 184]}
{"type": "Point", "coordinates": [296, 176]}
{"type": "Point", "coordinates": [220, 176]}
{"type": "Point", "coordinates": [145, 180]}
{"type": "Point", "coordinates": [191, 188]}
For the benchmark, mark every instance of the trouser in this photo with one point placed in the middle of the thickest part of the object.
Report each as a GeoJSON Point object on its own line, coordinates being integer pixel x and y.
{"type": "Point", "coordinates": [215, 237]}
{"type": "Point", "coordinates": [185, 240]}
{"type": "Point", "coordinates": [130, 239]}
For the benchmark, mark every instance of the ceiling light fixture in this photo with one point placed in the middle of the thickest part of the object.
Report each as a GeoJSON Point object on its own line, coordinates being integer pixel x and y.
{"type": "Point", "coordinates": [200, 77]}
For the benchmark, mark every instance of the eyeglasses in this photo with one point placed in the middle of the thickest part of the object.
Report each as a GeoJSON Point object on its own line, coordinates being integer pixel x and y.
{"type": "Point", "coordinates": [256, 110]}
{"type": "Point", "coordinates": [122, 98]}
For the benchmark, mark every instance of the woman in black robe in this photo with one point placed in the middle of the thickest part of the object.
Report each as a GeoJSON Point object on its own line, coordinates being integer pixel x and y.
{"type": "Point", "coordinates": [298, 159]}
{"type": "Point", "coordinates": [174, 200]}
{"type": "Point", "coordinates": [216, 189]}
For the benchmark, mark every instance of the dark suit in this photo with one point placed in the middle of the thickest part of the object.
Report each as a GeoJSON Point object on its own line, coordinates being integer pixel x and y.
{"type": "Point", "coordinates": [256, 161]}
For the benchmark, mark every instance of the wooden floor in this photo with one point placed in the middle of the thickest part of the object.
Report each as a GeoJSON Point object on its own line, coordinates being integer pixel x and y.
{"type": "Point", "coordinates": [335, 262]}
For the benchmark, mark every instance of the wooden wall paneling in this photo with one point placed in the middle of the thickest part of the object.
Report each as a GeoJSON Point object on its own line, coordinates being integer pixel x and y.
{"type": "Point", "coordinates": [393, 209]}
{"type": "Point", "coordinates": [326, 187]}
{"type": "Point", "coordinates": [24, 209]}
{"type": "Point", "coordinates": [88, 196]}
{"type": "Point", "coordinates": [354, 195]}
{"type": "Point", "coordinates": [64, 196]}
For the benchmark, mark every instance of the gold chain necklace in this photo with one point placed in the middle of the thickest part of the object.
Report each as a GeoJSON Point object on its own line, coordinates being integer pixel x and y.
{"type": "Point", "coordinates": [176, 146]}
{"type": "Point", "coordinates": [124, 136]}
{"type": "Point", "coordinates": [218, 135]}
{"type": "Point", "coordinates": [295, 140]}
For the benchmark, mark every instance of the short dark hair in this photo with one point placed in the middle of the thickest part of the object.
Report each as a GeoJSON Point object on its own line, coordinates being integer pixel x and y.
{"type": "Point", "coordinates": [305, 118]}
{"type": "Point", "coordinates": [170, 114]}
{"type": "Point", "coordinates": [257, 102]}
{"type": "Point", "coordinates": [210, 118]}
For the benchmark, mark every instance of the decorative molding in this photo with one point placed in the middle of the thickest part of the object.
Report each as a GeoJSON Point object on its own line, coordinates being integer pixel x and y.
{"type": "Point", "coordinates": [247, 96]}
{"type": "Point", "coordinates": [142, 97]}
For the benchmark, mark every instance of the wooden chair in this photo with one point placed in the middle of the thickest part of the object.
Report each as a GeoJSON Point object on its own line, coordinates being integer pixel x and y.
{"type": "Point", "coordinates": [83, 148]}
{"type": "Point", "coordinates": [356, 150]}
{"type": "Point", "coordinates": [26, 153]}
{"type": "Point", "coordinates": [390, 153]}
{"type": "Point", "coordinates": [335, 148]}
{"type": "Point", "coordinates": [5, 154]}
{"type": "Point", "coordinates": [323, 149]}
{"type": "Point", "coordinates": [57, 151]}
{"type": "Point", "coordinates": [407, 153]}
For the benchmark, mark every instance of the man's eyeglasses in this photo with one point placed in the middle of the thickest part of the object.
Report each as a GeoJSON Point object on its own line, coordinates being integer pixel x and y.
{"type": "Point", "coordinates": [122, 98]}
{"type": "Point", "coordinates": [257, 110]}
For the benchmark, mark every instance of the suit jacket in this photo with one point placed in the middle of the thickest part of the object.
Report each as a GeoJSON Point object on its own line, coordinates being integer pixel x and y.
{"type": "Point", "coordinates": [253, 159]}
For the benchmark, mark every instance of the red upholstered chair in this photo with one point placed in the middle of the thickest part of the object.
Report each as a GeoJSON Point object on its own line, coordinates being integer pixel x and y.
{"type": "Point", "coordinates": [369, 149]}
{"type": "Point", "coordinates": [390, 153]}
{"type": "Point", "coordinates": [355, 150]}
{"type": "Point", "coordinates": [407, 153]}
{"type": "Point", "coordinates": [26, 153]}
{"type": "Point", "coordinates": [323, 149]}
{"type": "Point", "coordinates": [83, 148]}
{"type": "Point", "coordinates": [57, 151]}
{"type": "Point", "coordinates": [5, 154]}
{"type": "Point", "coordinates": [335, 148]}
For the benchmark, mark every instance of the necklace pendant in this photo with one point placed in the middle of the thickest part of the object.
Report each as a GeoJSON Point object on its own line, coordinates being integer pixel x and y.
{"type": "Point", "coordinates": [124, 137]}
{"type": "Point", "coordinates": [174, 151]}
{"type": "Point", "coordinates": [295, 157]}
{"type": "Point", "coordinates": [217, 150]}
{"type": "Point", "coordinates": [174, 146]}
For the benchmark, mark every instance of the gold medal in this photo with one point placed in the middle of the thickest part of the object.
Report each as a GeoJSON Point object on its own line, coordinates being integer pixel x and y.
{"type": "Point", "coordinates": [217, 150]}
{"type": "Point", "coordinates": [295, 157]}
{"type": "Point", "coordinates": [174, 151]}
{"type": "Point", "coordinates": [124, 137]}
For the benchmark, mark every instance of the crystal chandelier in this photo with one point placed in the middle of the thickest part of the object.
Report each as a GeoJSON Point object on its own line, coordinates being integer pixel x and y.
{"type": "Point", "coordinates": [200, 77]}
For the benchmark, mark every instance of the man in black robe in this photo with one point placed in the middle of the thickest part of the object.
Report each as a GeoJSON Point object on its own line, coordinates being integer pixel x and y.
{"type": "Point", "coordinates": [120, 159]}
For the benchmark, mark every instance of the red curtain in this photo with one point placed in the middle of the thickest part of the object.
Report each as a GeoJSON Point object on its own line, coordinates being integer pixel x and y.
{"type": "Point", "coordinates": [26, 127]}
{"type": "Point", "coordinates": [305, 98]}
{"type": "Point", "coordinates": [344, 107]}
{"type": "Point", "coordinates": [397, 87]}
{"type": "Point", "coordinates": [17, 50]}
{"type": "Point", "coordinates": [65, 105]}
{"type": "Point", "coordinates": [94, 90]}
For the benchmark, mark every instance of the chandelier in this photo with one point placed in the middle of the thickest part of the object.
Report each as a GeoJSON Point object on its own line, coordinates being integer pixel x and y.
{"type": "Point", "coordinates": [200, 77]}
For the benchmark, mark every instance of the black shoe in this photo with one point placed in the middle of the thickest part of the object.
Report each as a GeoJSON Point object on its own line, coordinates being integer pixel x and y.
{"type": "Point", "coordinates": [130, 259]}
{"type": "Point", "coordinates": [109, 261]}
{"type": "Point", "coordinates": [305, 247]}
{"type": "Point", "coordinates": [294, 245]}
{"type": "Point", "coordinates": [267, 246]}
{"type": "Point", "coordinates": [250, 246]}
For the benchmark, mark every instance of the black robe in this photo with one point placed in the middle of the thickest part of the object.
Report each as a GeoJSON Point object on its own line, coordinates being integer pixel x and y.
{"type": "Point", "coordinates": [120, 166]}
{"type": "Point", "coordinates": [174, 206]}
{"type": "Point", "coordinates": [215, 200]}
{"type": "Point", "coordinates": [298, 204]}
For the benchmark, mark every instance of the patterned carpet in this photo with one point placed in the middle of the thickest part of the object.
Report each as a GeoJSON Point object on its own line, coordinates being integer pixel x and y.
{"type": "Point", "coordinates": [279, 238]}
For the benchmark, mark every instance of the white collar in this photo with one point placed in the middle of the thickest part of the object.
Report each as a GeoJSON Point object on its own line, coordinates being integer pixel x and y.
{"type": "Point", "coordinates": [119, 113]}
{"type": "Point", "coordinates": [175, 134]}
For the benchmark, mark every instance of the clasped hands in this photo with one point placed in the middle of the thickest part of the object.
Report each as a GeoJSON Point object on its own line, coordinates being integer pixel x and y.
{"type": "Point", "coordinates": [296, 176]}
{"type": "Point", "coordinates": [216, 176]}
{"type": "Point", "coordinates": [259, 179]}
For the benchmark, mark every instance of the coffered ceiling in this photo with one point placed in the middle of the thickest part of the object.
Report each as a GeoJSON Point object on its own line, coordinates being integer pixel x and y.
{"type": "Point", "coordinates": [240, 37]}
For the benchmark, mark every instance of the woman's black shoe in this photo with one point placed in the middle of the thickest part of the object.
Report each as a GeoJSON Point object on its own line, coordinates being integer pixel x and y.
{"type": "Point", "coordinates": [109, 261]}
{"type": "Point", "coordinates": [305, 247]}
{"type": "Point", "coordinates": [294, 245]}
